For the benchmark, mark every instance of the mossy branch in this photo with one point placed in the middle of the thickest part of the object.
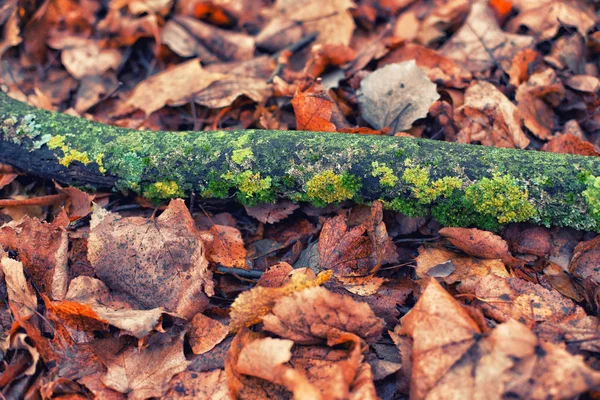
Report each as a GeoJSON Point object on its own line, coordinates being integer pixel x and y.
{"type": "Point", "coordinates": [460, 185]}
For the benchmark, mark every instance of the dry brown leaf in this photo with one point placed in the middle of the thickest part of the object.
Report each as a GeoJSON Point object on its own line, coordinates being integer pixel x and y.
{"type": "Point", "coordinates": [42, 248]}
{"type": "Point", "coordinates": [570, 144]}
{"type": "Point", "coordinates": [522, 66]}
{"type": "Point", "coordinates": [82, 57]}
{"type": "Point", "coordinates": [79, 203]}
{"type": "Point", "coordinates": [93, 89]}
{"type": "Point", "coordinates": [451, 268]}
{"type": "Point", "coordinates": [396, 95]}
{"type": "Point", "coordinates": [325, 55]}
{"type": "Point", "coordinates": [489, 117]}
{"type": "Point", "coordinates": [535, 98]}
{"type": "Point", "coordinates": [11, 32]}
{"type": "Point", "coordinates": [271, 213]}
{"type": "Point", "coordinates": [205, 333]}
{"type": "Point", "coordinates": [451, 356]}
{"type": "Point", "coordinates": [583, 83]}
{"type": "Point", "coordinates": [291, 19]}
{"type": "Point", "coordinates": [173, 87]}
{"type": "Point", "coordinates": [545, 17]}
{"type": "Point", "coordinates": [265, 358]}
{"type": "Point", "coordinates": [251, 305]}
{"type": "Point", "coordinates": [146, 373]}
{"type": "Point", "coordinates": [227, 247]}
{"type": "Point", "coordinates": [480, 244]}
{"type": "Point", "coordinates": [198, 385]}
{"type": "Point", "coordinates": [94, 384]}
{"type": "Point", "coordinates": [276, 275]}
{"type": "Point", "coordinates": [438, 68]}
{"type": "Point", "coordinates": [130, 256]}
{"type": "Point", "coordinates": [316, 314]}
{"type": "Point", "coordinates": [344, 251]}
{"type": "Point", "coordinates": [584, 263]}
{"type": "Point", "coordinates": [481, 44]}
{"type": "Point", "coordinates": [513, 298]}
{"type": "Point", "coordinates": [313, 112]}
{"type": "Point", "coordinates": [22, 301]}
{"type": "Point", "coordinates": [226, 45]}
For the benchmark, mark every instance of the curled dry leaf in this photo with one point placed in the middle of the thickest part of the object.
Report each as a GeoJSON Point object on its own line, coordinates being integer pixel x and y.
{"type": "Point", "coordinates": [21, 300]}
{"type": "Point", "coordinates": [396, 95]}
{"type": "Point", "coordinates": [439, 69]}
{"type": "Point", "coordinates": [570, 144]}
{"type": "Point", "coordinates": [83, 57]}
{"type": "Point", "coordinates": [316, 314]}
{"type": "Point", "coordinates": [513, 298]}
{"type": "Point", "coordinates": [146, 373]}
{"type": "Point", "coordinates": [489, 117]}
{"type": "Point", "coordinates": [89, 306]}
{"type": "Point", "coordinates": [481, 44]}
{"type": "Point", "coordinates": [451, 268]}
{"type": "Point", "coordinates": [205, 333]}
{"type": "Point", "coordinates": [522, 66]}
{"type": "Point", "coordinates": [251, 305]}
{"type": "Point", "coordinates": [583, 83]}
{"type": "Point", "coordinates": [159, 263]}
{"type": "Point", "coordinates": [43, 249]}
{"type": "Point", "coordinates": [456, 358]}
{"type": "Point", "coordinates": [265, 358]}
{"type": "Point", "coordinates": [480, 244]}
{"type": "Point", "coordinates": [291, 19]}
{"type": "Point", "coordinates": [271, 213]}
{"type": "Point", "coordinates": [585, 261]}
{"type": "Point", "coordinates": [535, 98]}
{"type": "Point", "coordinates": [544, 18]}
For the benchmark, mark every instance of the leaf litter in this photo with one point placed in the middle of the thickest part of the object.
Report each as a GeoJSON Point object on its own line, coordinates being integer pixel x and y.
{"type": "Point", "coordinates": [210, 300]}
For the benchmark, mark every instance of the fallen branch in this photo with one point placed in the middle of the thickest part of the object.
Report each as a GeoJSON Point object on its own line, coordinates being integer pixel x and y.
{"type": "Point", "coordinates": [460, 185]}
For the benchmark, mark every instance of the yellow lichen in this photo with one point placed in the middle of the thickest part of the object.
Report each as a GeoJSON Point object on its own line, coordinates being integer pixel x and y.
{"type": "Point", "coordinates": [73, 155]}
{"type": "Point", "coordinates": [425, 191]}
{"type": "Point", "coordinates": [385, 174]}
{"type": "Point", "coordinates": [163, 190]}
{"type": "Point", "coordinates": [327, 187]}
{"type": "Point", "coordinates": [502, 198]}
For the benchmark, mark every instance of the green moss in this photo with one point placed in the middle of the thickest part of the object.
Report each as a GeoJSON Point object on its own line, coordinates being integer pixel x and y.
{"type": "Point", "coordinates": [217, 188]}
{"type": "Point", "coordinates": [455, 210]}
{"type": "Point", "coordinates": [412, 208]}
{"type": "Point", "coordinates": [328, 187]}
{"type": "Point", "coordinates": [240, 155]}
{"type": "Point", "coordinates": [592, 196]}
{"type": "Point", "coordinates": [385, 174]}
{"type": "Point", "coordinates": [502, 198]}
{"type": "Point", "coordinates": [163, 190]}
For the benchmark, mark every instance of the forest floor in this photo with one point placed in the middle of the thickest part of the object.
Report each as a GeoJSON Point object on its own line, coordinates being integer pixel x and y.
{"type": "Point", "coordinates": [111, 296]}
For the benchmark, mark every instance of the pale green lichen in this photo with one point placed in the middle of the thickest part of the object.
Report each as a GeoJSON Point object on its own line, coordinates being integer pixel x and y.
{"type": "Point", "coordinates": [163, 190]}
{"type": "Point", "coordinates": [328, 187]}
{"type": "Point", "coordinates": [501, 197]}
{"type": "Point", "coordinates": [240, 155]}
{"type": "Point", "coordinates": [385, 174]}
{"type": "Point", "coordinates": [592, 196]}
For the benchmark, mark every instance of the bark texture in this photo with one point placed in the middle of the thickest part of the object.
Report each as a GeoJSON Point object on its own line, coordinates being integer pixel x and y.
{"type": "Point", "coordinates": [460, 185]}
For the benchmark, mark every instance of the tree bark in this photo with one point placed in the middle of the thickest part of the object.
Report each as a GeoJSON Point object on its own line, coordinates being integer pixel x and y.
{"type": "Point", "coordinates": [460, 185]}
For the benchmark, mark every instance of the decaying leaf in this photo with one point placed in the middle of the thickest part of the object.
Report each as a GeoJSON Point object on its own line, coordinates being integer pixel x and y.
{"type": "Point", "coordinates": [206, 333]}
{"type": "Point", "coordinates": [313, 112]}
{"type": "Point", "coordinates": [490, 118]}
{"type": "Point", "coordinates": [396, 95]}
{"type": "Point", "coordinates": [455, 358]}
{"type": "Point", "coordinates": [42, 248]}
{"type": "Point", "coordinates": [251, 305]}
{"type": "Point", "coordinates": [272, 213]}
{"type": "Point", "coordinates": [481, 44]}
{"type": "Point", "coordinates": [22, 301]}
{"type": "Point", "coordinates": [584, 263]}
{"type": "Point", "coordinates": [315, 314]}
{"type": "Point", "coordinates": [227, 247]}
{"type": "Point", "coordinates": [199, 385]}
{"type": "Point", "coordinates": [159, 263]}
{"type": "Point", "coordinates": [146, 373]}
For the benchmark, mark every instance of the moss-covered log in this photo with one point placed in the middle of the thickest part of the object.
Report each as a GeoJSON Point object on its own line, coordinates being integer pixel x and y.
{"type": "Point", "coordinates": [460, 185]}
